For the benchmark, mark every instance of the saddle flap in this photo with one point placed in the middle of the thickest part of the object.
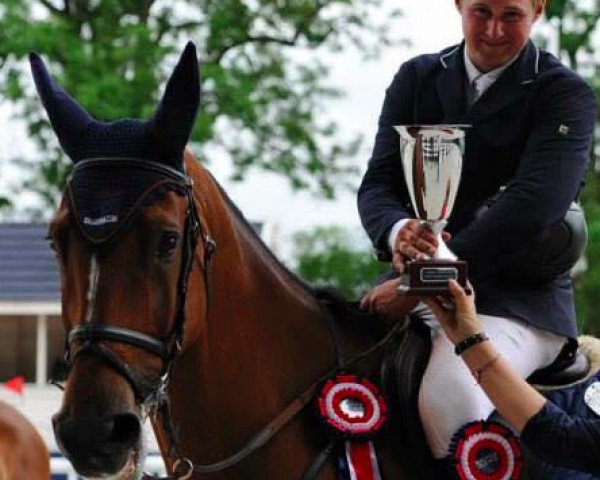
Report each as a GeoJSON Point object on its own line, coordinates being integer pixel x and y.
{"type": "Point", "coordinates": [562, 375]}
{"type": "Point", "coordinates": [583, 364]}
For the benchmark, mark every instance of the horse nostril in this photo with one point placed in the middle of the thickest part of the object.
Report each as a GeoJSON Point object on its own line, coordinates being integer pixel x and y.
{"type": "Point", "coordinates": [96, 435]}
{"type": "Point", "coordinates": [126, 429]}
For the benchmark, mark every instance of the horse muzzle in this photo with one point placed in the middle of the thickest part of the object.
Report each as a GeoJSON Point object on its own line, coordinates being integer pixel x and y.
{"type": "Point", "coordinates": [99, 446]}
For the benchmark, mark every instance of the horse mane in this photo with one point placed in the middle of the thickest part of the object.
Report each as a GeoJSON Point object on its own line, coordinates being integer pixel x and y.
{"type": "Point", "coordinates": [251, 232]}
{"type": "Point", "coordinates": [328, 298]}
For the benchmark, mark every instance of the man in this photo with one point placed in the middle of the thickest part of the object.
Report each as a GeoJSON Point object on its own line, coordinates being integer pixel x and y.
{"type": "Point", "coordinates": [532, 124]}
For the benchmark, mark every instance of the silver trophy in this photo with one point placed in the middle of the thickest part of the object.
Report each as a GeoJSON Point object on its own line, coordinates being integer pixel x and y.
{"type": "Point", "coordinates": [432, 160]}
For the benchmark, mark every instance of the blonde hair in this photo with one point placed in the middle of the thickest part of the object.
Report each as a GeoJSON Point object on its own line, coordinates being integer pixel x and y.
{"type": "Point", "coordinates": [543, 3]}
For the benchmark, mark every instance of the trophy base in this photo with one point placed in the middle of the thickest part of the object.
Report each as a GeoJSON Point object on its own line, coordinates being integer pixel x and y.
{"type": "Point", "coordinates": [430, 277]}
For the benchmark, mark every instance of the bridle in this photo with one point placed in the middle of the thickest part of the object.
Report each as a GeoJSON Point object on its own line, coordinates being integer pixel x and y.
{"type": "Point", "coordinates": [90, 339]}
{"type": "Point", "coordinates": [89, 335]}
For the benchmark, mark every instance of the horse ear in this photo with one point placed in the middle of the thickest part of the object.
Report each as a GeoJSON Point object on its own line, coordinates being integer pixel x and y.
{"type": "Point", "coordinates": [175, 116]}
{"type": "Point", "coordinates": [67, 117]}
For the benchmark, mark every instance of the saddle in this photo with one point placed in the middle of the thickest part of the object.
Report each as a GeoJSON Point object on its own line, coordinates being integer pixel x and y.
{"type": "Point", "coordinates": [403, 369]}
{"type": "Point", "coordinates": [404, 359]}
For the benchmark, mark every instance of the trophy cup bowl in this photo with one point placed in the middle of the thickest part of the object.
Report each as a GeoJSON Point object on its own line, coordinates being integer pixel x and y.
{"type": "Point", "coordinates": [432, 158]}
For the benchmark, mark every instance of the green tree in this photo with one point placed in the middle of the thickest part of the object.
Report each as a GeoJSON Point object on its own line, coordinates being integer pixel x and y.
{"type": "Point", "coordinates": [576, 23]}
{"type": "Point", "coordinates": [327, 256]}
{"type": "Point", "coordinates": [261, 98]}
{"type": "Point", "coordinates": [587, 289]}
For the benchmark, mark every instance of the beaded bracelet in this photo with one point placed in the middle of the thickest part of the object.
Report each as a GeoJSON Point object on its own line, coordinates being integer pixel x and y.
{"type": "Point", "coordinates": [468, 342]}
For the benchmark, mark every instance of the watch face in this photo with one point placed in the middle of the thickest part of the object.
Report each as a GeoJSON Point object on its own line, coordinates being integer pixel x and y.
{"type": "Point", "coordinates": [592, 397]}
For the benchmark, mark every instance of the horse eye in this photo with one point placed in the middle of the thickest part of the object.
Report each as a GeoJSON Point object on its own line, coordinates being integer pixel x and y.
{"type": "Point", "coordinates": [51, 243]}
{"type": "Point", "coordinates": [167, 245]}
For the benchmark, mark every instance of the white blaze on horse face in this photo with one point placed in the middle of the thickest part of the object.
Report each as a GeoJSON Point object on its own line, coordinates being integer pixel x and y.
{"type": "Point", "coordinates": [93, 277]}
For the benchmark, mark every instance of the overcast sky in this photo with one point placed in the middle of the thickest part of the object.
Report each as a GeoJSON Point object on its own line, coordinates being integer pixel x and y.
{"type": "Point", "coordinates": [429, 24]}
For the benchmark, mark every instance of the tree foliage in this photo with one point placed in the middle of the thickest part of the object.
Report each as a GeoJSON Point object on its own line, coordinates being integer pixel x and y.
{"type": "Point", "coordinates": [576, 22]}
{"type": "Point", "coordinates": [262, 84]}
{"type": "Point", "coordinates": [587, 288]}
{"type": "Point", "coordinates": [327, 256]}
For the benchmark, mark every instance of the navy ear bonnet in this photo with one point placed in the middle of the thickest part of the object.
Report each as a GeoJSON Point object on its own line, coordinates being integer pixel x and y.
{"type": "Point", "coordinates": [106, 195]}
{"type": "Point", "coordinates": [123, 165]}
{"type": "Point", "coordinates": [161, 138]}
{"type": "Point", "coordinates": [122, 138]}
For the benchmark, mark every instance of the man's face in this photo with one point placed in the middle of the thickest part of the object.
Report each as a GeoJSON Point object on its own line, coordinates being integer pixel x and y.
{"type": "Point", "coordinates": [496, 30]}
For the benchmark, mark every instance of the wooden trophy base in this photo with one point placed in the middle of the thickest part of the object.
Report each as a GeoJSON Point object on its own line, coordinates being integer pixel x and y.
{"type": "Point", "coordinates": [430, 277]}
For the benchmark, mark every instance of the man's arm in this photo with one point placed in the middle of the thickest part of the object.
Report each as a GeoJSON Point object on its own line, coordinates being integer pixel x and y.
{"type": "Point", "coordinates": [382, 196]}
{"type": "Point", "coordinates": [548, 178]}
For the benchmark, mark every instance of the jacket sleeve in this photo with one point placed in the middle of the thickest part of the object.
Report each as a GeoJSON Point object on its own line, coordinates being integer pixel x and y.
{"type": "Point", "coordinates": [382, 196]}
{"type": "Point", "coordinates": [550, 174]}
{"type": "Point", "coordinates": [563, 440]}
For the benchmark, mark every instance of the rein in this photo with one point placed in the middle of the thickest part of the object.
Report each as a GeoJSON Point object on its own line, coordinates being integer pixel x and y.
{"type": "Point", "coordinates": [155, 398]}
{"type": "Point", "coordinates": [286, 415]}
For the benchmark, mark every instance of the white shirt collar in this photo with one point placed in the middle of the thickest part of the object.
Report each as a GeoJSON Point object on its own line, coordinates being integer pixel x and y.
{"type": "Point", "coordinates": [479, 81]}
{"type": "Point", "coordinates": [489, 77]}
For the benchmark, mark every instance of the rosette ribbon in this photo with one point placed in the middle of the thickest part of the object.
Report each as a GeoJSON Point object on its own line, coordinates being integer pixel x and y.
{"type": "Point", "coordinates": [356, 410]}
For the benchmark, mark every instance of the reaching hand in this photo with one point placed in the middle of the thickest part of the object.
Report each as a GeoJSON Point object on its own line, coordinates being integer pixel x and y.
{"type": "Point", "coordinates": [387, 301]}
{"type": "Point", "coordinates": [414, 242]}
{"type": "Point", "coordinates": [460, 322]}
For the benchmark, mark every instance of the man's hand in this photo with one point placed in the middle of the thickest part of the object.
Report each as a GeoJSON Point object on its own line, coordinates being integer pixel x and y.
{"type": "Point", "coordinates": [387, 301]}
{"type": "Point", "coordinates": [414, 242]}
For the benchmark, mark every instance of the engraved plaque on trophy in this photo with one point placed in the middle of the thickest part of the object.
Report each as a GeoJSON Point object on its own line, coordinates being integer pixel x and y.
{"type": "Point", "coordinates": [432, 157]}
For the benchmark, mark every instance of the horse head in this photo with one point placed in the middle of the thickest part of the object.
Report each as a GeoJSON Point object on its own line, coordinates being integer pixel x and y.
{"type": "Point", "coordinates": [224, 355]}
{"type": "Point", "coordinates": [125, 237]}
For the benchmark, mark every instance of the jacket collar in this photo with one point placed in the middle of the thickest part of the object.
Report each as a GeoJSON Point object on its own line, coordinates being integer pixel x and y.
{"type": "Point", "coordinates": [514, 82]}
{"type": "Point", "coordinates": [450, 83]}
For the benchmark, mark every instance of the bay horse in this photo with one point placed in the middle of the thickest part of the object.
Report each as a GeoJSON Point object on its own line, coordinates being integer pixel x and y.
{"type": "Point", "coordinates": [214, 344]}
{"type": "Point", "coordinates": [23, 453]}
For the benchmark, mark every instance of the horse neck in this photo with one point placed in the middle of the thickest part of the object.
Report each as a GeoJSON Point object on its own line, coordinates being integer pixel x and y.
{"type": "Point", "coordinates": [263, 341]}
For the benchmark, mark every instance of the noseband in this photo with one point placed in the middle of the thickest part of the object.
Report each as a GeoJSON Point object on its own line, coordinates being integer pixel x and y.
{"type": "Point", "coordinates": [92, 337]}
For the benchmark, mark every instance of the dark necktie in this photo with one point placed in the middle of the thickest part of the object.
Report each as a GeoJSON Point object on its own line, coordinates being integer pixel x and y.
{"type": "Point", "coordinates": [473, 91]}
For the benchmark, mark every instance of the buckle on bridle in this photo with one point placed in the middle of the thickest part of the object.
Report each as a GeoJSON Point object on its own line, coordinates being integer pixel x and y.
{"type": "Point", "coordinates": [183, 463]}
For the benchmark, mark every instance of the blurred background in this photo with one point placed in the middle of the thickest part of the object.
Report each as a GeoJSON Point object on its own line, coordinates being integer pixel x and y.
{"type": "Point", "coordinates": [291, 93]}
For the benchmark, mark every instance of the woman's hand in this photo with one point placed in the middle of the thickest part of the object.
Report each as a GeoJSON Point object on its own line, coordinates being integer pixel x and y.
{"type": "Point", "coordinates": [387, 301]}
{"type": "Point", "coordinates": [460, 322]}
{"type": "Point", "coordinates": [414, 242]}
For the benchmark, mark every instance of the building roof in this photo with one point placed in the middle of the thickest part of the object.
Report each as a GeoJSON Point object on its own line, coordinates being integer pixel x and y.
{"type": "Point", "coordinates": [28, 270]}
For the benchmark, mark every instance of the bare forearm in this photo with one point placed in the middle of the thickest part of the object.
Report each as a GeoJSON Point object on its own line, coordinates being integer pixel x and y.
{"type": "Point", "coordinates": [512, 396]}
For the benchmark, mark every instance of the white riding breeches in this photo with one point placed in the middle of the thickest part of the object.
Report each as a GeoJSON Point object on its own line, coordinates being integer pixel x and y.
{"type": "Point", "coordinates": [449, 396]}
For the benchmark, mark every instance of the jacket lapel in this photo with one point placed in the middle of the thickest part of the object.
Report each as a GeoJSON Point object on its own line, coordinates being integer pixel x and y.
{"type": "Point", "coordinates": [450, 84]}
{"type": "Point", "coordinates": [514, 82]}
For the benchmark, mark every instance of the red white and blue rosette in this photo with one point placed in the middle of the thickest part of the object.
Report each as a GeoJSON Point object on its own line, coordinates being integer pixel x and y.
{"type": "Point", "coordinates": [487, 450]}
{"type": "Point", "coordinates": [355, 409]}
